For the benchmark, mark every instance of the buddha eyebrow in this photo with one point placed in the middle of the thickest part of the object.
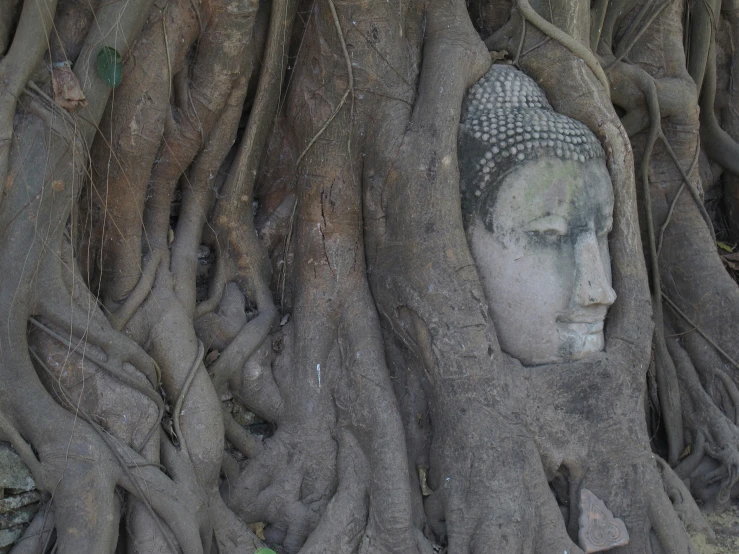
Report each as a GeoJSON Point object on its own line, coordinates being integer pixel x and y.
{"type": "Point", "coordinates": [553, 220]}
{"type": "Point", "coordinates": [545, 215]}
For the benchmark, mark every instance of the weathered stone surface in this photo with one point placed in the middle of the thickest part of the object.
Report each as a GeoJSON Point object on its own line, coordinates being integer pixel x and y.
{"type": "Point", "coordinates": [13, 472]}
{"type": "Point", "coordinates": [11, 503]}
{"type": "Point", "coordinates": [17, 517]}
{"type": "Point", "coordinates": [9, 536]}
{"type": "Point", "coordinates": [599, 530]}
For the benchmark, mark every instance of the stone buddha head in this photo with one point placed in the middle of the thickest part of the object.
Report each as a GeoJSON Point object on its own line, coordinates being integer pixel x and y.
{"type": "Point", "coordinates": [537, 202]}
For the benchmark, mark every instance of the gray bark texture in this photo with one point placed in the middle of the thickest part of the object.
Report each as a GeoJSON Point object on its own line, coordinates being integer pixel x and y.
{"type": "Point", "coordinates": [239, 310]}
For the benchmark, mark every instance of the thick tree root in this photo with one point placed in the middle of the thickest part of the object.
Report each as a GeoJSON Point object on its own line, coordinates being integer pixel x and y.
{"type": "Point", "coordinates": [684, 504]}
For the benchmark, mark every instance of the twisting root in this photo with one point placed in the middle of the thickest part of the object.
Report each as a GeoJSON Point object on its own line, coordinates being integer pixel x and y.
{"type": "Point", "coordinates": [238, 436]}
{"type": "Point", "coordinates": [714, 433]}
{"type": "Point", "coordinates": [116, 345]}
{"type": "Point", "coordinates": [349, 89]}
{"type": "Point", "coordinates": [108, 440]}
{"type": "Point", "coordinates": [684, 504]}
{"type": "Point", "coordinates": [628, 42]}
{"type": "Point", "coordinates": [121, 316]}
{"type": "Point", "coordinates": [565, 40]}
{"type": "Point", "coordinates": [693, 191]}
{"type": "Point", "coordinates": [682, 314]}
{"type": "Point", "coordinates": [115, 372]}
{"type": "Point", "coordinates": [183, 393]}
{"type": "Point", "coordinates": [217, 286]}
{"type": "Point", "coordinates": [250, 338]}
{"type": "Point", "coordinates": [666, 223]}
{"type": "Point", "coordinates": [666, 373]}
{"type": "Point", "coordinates": [9, 433]}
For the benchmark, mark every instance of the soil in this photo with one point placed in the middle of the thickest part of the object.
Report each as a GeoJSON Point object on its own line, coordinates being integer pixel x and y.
{"type": "Point", "coordinates": [726, 527]}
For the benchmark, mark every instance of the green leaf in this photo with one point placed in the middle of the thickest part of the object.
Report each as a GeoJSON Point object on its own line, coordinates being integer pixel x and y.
{"type": "Point", "coordinates": [264, 551]}
{"type": "Point", "coordinates": [724, 246]}
{"type": "Point", "coordinates": [110, 66]}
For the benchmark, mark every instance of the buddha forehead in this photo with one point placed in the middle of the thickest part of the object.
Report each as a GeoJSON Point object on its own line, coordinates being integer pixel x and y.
{"type": "Point", "coordinates": [550, 187]}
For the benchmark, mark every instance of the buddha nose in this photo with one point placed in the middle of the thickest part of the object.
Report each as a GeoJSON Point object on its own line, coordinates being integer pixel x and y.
{"type": "Point", "coordinates": [593, 276]}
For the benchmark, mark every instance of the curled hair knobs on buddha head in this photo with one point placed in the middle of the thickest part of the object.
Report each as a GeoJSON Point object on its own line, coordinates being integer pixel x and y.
{"type": "Point", "coordinates": [507, 121]}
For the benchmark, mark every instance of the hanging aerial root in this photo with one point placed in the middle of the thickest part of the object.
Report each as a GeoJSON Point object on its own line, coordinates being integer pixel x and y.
{"type": "Point", "coordinates": [183, 393]}
{"type": "Point", "coordinates": [700, 331]}
{"type": "Point", "coordinates": [565, 40]}
{"type": "Point", "coordinates": [686, 180]}
{"type": "Point", "coordinates": [667, 389]}
{"type": "Point", "coordinates": [691, 187]}
{"type": "Point", "coordinates": [633, 34]}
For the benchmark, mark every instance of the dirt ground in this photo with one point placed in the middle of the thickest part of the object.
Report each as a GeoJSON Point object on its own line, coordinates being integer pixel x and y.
{"type": "Point", "coordinates": [726, 527]}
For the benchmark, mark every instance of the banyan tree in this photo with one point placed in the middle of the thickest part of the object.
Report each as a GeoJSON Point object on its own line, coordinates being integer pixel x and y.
{"type": "Point", "coordinates": [332, 276]}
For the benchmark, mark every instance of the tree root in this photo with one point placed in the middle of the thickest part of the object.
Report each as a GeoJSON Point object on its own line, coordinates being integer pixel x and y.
{"type": "Point", "coordinates": [232, 536]}
{"type": "Point", "coordinates": [632, 34]}
{"type": "Point", "coordinates": [117, 346]}
{"type": "Point", "coordinates": [565, 40]}
{"type": "Point", "coordinates": [8, 433]}
{"type": "Point", "coordinates": [103, 435]}
{"type": "Point", "coordinates": [286, 484]}
{"type": "Point", "coordinates": [686, 508]}
{"type": "Point", "coordinates": [242, 440]}
{"type": "Point", "coordinates": [691, 187]}
{"type": "Point", "coordinates": [256, 387]}
{"type": "Point", "coordinates": [37, 536]}
{"type": "Point", "coordinates": [216, 288]}
{"type": "Point", "coordinates": [713, 434]}
{"type": "Point", "coordinates": [250, 338]}
{"type": "Point", "coordinates": [120, 317]}
{"type": "Point", "coordinates": [29, 44]}
{"type": "Point", "coordinates": [115, 371]}
{"type": "Point", "coordinates": [341, 528]}
{"type": "Point", "coordinates": [686, 180]}
{"type": "Point", "coordinates": [667, 389]}
{"type": "Point", "coordinates": [207, 103]}
{"type": "Point", "coordinates": [700, 331]}
{"type": "Point", "coordinates": [183, 393]}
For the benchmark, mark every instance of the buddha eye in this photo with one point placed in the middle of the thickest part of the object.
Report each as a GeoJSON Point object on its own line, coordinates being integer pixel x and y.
{"type": "Point", "coordinates": [549, 236]}
{"type": "Point", "coordinates": [549, 228]}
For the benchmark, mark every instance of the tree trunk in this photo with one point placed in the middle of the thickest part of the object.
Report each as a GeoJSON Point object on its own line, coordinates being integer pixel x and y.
{"type": "Point", "coordinates": [241, 309]}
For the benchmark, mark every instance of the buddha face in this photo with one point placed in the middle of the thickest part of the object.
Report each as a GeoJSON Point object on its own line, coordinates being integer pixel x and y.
{"type": "Point", "coordinates": [544, 261]}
